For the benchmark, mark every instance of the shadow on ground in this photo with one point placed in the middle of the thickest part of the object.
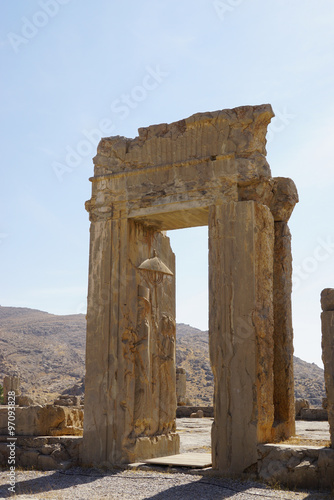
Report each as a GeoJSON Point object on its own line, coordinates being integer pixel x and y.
{"type": "Point", "coordinates": [201, 488]}
{"type": "Point", "coordinates": [53, 482]}
{"type": "Point", "coordinates": [216, 489]}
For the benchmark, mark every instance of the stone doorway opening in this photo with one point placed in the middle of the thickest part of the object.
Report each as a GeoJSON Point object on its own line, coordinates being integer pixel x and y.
{"type": "Point", "coordinates": [190, 246]}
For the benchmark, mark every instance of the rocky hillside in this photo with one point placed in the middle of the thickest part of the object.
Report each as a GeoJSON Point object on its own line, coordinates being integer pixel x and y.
{"type": "Point", "coordinates": [193, 354]}
{"type": "Point", "coordinates": [48, 352]}
{"type": "Point", "coordinates": [309, 382]}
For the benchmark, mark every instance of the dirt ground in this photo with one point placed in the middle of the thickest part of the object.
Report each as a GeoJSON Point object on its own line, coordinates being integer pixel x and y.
{"type": "Point", "coordinates": [195, 434]}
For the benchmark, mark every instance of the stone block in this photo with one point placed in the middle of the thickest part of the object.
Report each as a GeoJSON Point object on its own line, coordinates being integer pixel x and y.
{"type": "Point", "coordinates": [158, 446]}
{"type": "Point", "coordinates": [46, 420]}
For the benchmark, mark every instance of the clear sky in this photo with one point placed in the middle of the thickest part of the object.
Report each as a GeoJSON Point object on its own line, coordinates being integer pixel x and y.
{"type": "Point", "coordinates": [76, 70]}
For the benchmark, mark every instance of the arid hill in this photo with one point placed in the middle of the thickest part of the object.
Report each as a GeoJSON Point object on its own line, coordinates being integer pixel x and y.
{"type": "Point", "coordinates": [48, 352]}
{"type": "Point", "coordinates": [192, 353]}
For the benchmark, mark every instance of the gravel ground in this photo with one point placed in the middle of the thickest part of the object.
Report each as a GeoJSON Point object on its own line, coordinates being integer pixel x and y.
{"type": "Point", "coordinates": [93, 484]}
{"type": "Point", "coordinates": [160, 483]}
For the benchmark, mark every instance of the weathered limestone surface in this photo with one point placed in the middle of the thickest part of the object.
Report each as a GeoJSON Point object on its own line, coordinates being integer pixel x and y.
{"type": "Point", "coordinates": [209, 169]}
{"type": "Point", "coordinates": [327, 320]}
{"type": "Point", "coordinates": [284, 400]}
{"type": "Point", "coordinates": [45, 420]}
{"type": "Point", "coordinates": [241, 331]}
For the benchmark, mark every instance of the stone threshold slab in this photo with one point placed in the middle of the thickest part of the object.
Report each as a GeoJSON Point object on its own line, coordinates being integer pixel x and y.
{"type": "Point", "coordinates": [194, 460]}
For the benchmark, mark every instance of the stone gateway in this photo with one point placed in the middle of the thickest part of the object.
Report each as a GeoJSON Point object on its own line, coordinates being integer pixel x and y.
{"type": "Point", "coordinates": [209, 169]}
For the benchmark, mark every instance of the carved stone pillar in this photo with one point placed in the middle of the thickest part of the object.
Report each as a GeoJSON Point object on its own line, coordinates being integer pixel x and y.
{"type": "Point", "coordinates": [327, 321]}
{"type": "Point", "coordinates": [106, 291]}
{"type": "Point", "coordinates": [284, 399]}
{"type": "Point", "coordinates": [241, 247]}
{"type": "Point", "coordinates": [284, 200]}
{"type": "Point", "coordinates": [130, 395]}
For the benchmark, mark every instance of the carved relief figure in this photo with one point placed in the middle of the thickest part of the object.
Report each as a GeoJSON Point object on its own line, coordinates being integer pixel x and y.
{"type": "Point", "coordinates": [142, 403]}
{"type": "Point", "coordinates": [166, 354]}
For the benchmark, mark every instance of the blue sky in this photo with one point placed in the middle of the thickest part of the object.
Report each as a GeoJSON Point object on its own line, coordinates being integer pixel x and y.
{"type": "Point", "coordinates": [73, 71]}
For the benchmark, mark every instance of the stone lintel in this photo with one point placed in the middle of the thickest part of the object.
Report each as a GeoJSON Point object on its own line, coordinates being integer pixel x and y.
{"type": "Point", "coordinates": [201, 161]}
{"type": "Point", "coordinates": [238, 131]}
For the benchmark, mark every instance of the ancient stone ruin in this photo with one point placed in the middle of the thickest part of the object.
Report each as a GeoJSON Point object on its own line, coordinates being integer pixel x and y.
{"type": "Point", "coordinates": [209, 169]}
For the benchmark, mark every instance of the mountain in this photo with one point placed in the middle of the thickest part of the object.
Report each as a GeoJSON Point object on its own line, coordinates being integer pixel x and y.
{"type": "Point", "coordinates": [192, 353]}
{"type": "Point", "coordinates": [48, 352]}
{"type": "Point", "coordinates": [309, 382]}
